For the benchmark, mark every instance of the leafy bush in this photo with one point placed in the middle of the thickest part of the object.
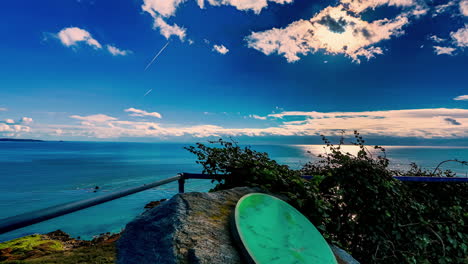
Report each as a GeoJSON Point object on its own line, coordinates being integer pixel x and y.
{"type": "Point", "coordinates": [356, 203]}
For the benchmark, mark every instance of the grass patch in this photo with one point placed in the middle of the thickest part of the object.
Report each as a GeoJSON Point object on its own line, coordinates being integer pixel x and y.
{"type": "Point", "coordinates": [28, 243]}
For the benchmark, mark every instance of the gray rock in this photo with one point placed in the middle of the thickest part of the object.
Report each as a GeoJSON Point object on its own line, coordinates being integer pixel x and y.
{"type": "Point", "coordinates": [189, 228]}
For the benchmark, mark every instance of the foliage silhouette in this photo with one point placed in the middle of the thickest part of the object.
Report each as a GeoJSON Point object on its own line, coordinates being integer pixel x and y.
{"type": "Point", "coordinates": [355, 202]}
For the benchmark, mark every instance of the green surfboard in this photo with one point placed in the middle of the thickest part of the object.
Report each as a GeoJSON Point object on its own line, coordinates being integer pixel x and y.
{"type": "Point", "coordinates": [270, 231]}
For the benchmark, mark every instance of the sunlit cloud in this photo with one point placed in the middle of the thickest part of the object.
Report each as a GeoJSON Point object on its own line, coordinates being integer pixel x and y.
{"type": "Point", "coordinates": [26, 120]}
{"type": "Point", "coordinates": [169, 30]}
{"type": "Point", "coordinates": [440, 9]}
{"type": "Point", "coordinates": [460, 37]}
{"type": "Point", "coordinates": [73, 35]}
{"type": "Point", "coordinates": [116, 51]}
{"type": "Point", "coordinates": [258, 117]}
{"type": "Point", "coordinates": [436, 39]}
{"type": "Point", "coordinates": [10, 128]}
{"type": "Point", "coordinates": [162, 10]}
{"type": "Point", "coordinates": [464, 7]}
{"type": "Point", "coordinates": [461, 98]}
{"type": "Point", "coordinates": [358, 6]}
{"type": "Point", "coordinates": [141, 113]}
{"type": "Point", "coordinates": [444, 50]}
{"type": "Point", "coordinates": [421, 123]}
{"type": "Point", "coordinates": [334, 30]}
{"type": "Point", "coordinates": [99, 118]}
{"type": "Point", "coordinates": [165, 8]}
{"type": "Point", "coordinates": [220, 49]}
{"type": "Point", "coordinates": [245, 5]}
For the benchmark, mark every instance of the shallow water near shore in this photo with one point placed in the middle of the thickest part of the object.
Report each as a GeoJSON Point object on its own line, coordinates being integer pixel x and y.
{"type": "Point", "coordinates": [34, 175]}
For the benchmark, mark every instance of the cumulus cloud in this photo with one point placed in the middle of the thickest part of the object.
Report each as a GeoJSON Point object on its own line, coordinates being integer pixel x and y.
{"type": "Point", "coordinates": [11, 128]}
{"type": "Point", "coordinates": [161, 10]}
{"type": "Point", "coordinates": [440, 9]}
{"type": "Point", "coordinates": [99, 118]}
{"type": "Point", "coordinates": [169, 30]}
{"type": "Point", "coordinates": [73, 35]}
{"type": "Point", "coordinates": [245, 5]}
{"type": "Point", "coordinates": [334, 30]}
{"type": "Point", "coordinates": [436, 39]}
{"type": "Point", "coordinates": [358, 6]}
{"type": "Point", "coordinates": [258, 117]}
{"type": "Point", "coordinates": [165, 8]}
{"type": "Point", "coordinates": [460, 37]}
{"type": "Point", "coordinates": [464, 7]}
{"type": "Point", "coordinates": [26, 120]}
{"type": "Point", "coordinates": [141, 113]}
{"type": "Point", "coordinates": [116, 51]}
{"type": "Point", "coordinates": [444, 50]}
{"type": "Point", "coordinates": [461, 98]}
{"type": "Point", "coordinates": [220, 49]}
{"type": "Point", "coordinates": [422, 123]}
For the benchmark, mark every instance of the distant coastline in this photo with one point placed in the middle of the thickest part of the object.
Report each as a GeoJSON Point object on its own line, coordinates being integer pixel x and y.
{"type": "Point", "coordinates": [20, 140]}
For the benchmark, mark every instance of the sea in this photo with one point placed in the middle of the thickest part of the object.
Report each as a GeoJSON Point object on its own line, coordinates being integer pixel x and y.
{"type": "Point", "coordinates": [36, 175]}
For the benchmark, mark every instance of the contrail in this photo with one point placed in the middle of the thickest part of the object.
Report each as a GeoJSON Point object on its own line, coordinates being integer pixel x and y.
{"type": "Point", "coordinates": [148, 92]}
{"type": "Point", "coordinates": [157, 55]}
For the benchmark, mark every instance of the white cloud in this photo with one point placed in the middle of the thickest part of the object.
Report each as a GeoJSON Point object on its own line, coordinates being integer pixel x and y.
{"type": "Point", "coordinates": [358, 6]}
{"type": "Point", "coordinates": [421, 123]}
{"type": "Point", "coordinates": [26, 120]}
{"type": "Point", "coordinates": [334, 30]}
{"type": "Point", "coordinates": [245, 5]}
{"type": "Point", "coordinates": [436, 39]}
{"type": "Point", "coordinates": [3, 109]}
{"type": "Point", "coordinates": [72, 35]}
{"type": "Point", "coordinates": [258, 117]}
{"type": "Point", "coordinates": [440, 9]}
{"type": "Point", "coordinates": [461, 98]}
{"type": "Point", "coordinates": [116, 51]}
{"type": "Point", "coordinates": [464, 7]}
{"type": "Point", "coordinates": [99, 118]}
{"type": "Point", "coordinates": [220, 49]}
{"type": "Point", "coordinates": [444, 50]}
{"type": "Point", "coordinates": [460, 37]}
{"type": "Point", "coordinates": [165, 8]}
{"type": "Point", "coordinates": [138, 112]}
{"type": "Point", "coordinates": [12, 129]}
{"type": "Point", "coordinates": [169, 30]}
{"type": "Point", "coordinates": [161, 10]}
{"type": "Point", "coordinates": [424, 123]}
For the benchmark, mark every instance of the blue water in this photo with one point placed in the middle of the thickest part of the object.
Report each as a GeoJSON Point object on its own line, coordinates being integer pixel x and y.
{"type": "Point", "coordinates": [34, 175]}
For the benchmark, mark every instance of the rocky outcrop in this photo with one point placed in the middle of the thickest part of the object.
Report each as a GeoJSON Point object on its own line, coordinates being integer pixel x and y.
{"type": "Point", "coordinates": [58, 244]}
{"type": "Point", "coordinates": [189, 228]}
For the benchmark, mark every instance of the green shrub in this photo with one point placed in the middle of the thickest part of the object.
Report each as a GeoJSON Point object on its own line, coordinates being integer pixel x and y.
{"type": "Point", "coordinates": [356, 203]}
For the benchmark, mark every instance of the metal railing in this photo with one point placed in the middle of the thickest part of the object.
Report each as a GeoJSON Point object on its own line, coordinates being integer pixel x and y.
{"type": "Point", "coordinates": [34, 217]}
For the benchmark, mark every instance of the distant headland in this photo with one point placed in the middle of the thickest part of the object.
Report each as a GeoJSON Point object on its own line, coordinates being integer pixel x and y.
{"type": "Point", "coordinates": [20, 140]}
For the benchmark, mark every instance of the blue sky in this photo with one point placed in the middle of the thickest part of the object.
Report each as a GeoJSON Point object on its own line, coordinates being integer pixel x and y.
{"type": "Point", "coordinates": [283, 70]}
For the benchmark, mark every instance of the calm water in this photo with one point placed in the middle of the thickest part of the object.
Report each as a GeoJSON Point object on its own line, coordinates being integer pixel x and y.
{"type": "Point", "coordinates": [34, 175]}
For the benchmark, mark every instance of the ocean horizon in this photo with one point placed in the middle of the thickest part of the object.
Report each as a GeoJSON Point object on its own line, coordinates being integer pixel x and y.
{"type": "Point", "coordinates": [36, 175]}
